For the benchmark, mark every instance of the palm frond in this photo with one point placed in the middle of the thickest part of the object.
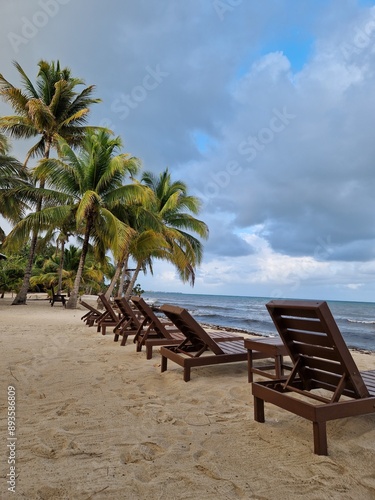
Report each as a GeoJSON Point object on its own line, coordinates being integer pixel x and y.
{"type": "Point", "coordinates": [26, 81]}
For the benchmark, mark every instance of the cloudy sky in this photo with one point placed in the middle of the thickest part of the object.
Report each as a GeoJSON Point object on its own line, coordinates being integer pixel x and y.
{"type": "Point", "coordinates": [265, 109]}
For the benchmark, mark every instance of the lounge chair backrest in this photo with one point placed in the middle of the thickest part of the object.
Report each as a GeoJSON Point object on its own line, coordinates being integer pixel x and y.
{"type": "Point", "coordinates": [108, 307]}
{"type": "Point", "coordinates": [89, 307]}
{"type": "Point", "coordinates": [148, 313]}
{"type": "Point", "coordinates": [126, 309]}
{"type": "Point", "coordinates": [320, 355]}
{"type": "Point", "coordinates": [190, 327]}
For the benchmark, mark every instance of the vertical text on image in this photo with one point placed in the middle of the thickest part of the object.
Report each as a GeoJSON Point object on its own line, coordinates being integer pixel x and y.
{"type": "Point", "coordinates": [12, 439]}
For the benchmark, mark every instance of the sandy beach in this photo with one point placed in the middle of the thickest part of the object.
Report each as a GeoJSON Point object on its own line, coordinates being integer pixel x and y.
{"type": "Point", "coordinates": [95, 420]}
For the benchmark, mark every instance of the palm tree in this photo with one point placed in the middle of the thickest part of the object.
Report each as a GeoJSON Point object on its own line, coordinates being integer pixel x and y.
{"type": "Point", "coordinates": [50, 110]}
{"type": "Point", "coordinates": [89, 185]}
{"type": "Point", "coordinates": [12, 175]}
{"type": "Point", "coordinates": [171, 206]}
{"type": "Point", "coordinates": [146, 237]}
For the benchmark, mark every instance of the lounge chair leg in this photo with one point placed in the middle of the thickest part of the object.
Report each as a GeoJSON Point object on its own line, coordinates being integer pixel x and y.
{"type": "Point", "coordinates": [187, 373]}
{"type": "Point", "coordinates": [164, 362]}
{"type": "Point", "coordinates": [250, 366]}
{"type": "Point", "coordinates": [279, 371]}
{"type": "Point", "coordinates": [148, 351]}
{"type": "Point", "coordinates": [320, 438]}
{"type": "Point", "coordinates": [139, 346]}
{"type": "Point", "coordinates": [115, 338]}
{"type": "Point", "coordinates": [258, 410]}
{"type": "Point", "coordinates": [124, 339]}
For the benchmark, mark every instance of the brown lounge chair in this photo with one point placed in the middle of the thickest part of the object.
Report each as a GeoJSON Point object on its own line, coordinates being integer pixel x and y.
{"type": "Point", "coordinates": [199, 348]}
{"type": "Point", "coordinates": [57, 297]}
{"type": "Point", "coordinates": [152, 331]}
{"type": "Point", "coordinates": [109, 317]}
{"type": "Point", "coordinates": [325, 383]}
{"type": "Point", "coordinates": [92, 314]}
{"type": "Point", "coordinates": [130, 322]}
{"type": "Point", "coordinates": [156, 333]}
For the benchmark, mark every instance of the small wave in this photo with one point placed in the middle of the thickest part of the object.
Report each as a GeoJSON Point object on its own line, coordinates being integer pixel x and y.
{"type": "Point", "coordinates": [363, 322]}
{"type": "Point", "coordinates": [220, 308]}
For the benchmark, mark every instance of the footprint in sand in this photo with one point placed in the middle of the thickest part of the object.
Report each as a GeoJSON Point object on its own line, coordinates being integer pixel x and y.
{"type": "Point", "coordinates": [49, 493]}
{"type": "Point", "coordinates": [368, 482]}
{"type": "Point", "coordinates": [225, 486]}
{"type": "Point", "coordinates": [138, 452]}
{"type": "Point", "coordinates": [51, 444]}
{"type": "Point", "coordinates": [66, 407]}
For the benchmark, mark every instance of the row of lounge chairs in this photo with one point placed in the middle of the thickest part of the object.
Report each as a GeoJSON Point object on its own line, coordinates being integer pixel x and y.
{"type": "Point", "coordinates": [323, 383]}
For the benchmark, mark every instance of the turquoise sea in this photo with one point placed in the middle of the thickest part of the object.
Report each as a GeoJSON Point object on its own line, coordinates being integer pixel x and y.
{"type": "Point", "coordinates": [356, 320]}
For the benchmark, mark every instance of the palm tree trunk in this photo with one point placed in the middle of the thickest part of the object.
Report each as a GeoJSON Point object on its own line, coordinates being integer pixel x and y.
{"type": "Point", "coordinates": [73, 299]}
{"type": "Point", "coordinates": [123, 275]}
{"type": "Point", "coordinates": [114, 280]}
{"type": "Point", "coordinates": [132, 281]}
{"type": "Point", "coordinates": [20, 298]}
{"type": "Point", "coordinates": [61, 266]}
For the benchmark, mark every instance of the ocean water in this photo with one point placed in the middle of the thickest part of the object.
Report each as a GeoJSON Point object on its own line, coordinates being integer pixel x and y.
{"type": "Point", "coordinates": [356, 320]}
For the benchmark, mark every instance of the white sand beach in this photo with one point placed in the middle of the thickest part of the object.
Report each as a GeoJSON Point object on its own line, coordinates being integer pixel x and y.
{"type": "Point", "coordinates": [95, 420]}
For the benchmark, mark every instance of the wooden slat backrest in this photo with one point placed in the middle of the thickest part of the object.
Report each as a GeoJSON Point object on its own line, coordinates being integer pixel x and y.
{"type": "Point", "coordinates": [90, 308]}
{"type": "Point", "coordinates": [151, 317]}
{"type": "Point", "coordinates": [314, 340]}
{"type": "Point", "coordinates": [108, 307]}
{"type": "Point", "coordinates": [126, 310]}
{"type": "Point", "coordinates": [190, 328]}
{"type": "Point", "coordinates": [369, 379]}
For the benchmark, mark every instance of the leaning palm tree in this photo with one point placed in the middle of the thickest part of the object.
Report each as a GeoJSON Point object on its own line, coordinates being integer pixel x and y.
{"type": "Point", "coordinates": [90, 185]}
{"type": "Point", "coordinates": [175, 210]}
{"type": "Point", "coordinates": [50, 109]}
{"type": "Point", "coordinates": [141, 220]}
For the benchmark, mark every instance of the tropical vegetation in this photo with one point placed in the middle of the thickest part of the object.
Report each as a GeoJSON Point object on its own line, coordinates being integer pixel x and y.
{"type": "Point", "coordinates": [48, 110]}
{"type": "Point", "coordinates": [79, 216]}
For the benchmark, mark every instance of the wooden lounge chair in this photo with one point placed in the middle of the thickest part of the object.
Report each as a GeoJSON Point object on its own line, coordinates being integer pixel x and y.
{"type": "Point", "coordinates": [199, 348]}
{"type": "Point", "coordinates": [325, 383]}
{"type": "Point", "coordinates": [109, 318]}
{"type": "Point", "coordinates": [92, 314]}
{"type": "Point", "coordinates": [57, 297]}
{"type": "Point", "coordinates": [156, 333]}
{"type": "Point", "coordinates": [130, 322]}
{"type": "Point", "coordinates": [152, 331]}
